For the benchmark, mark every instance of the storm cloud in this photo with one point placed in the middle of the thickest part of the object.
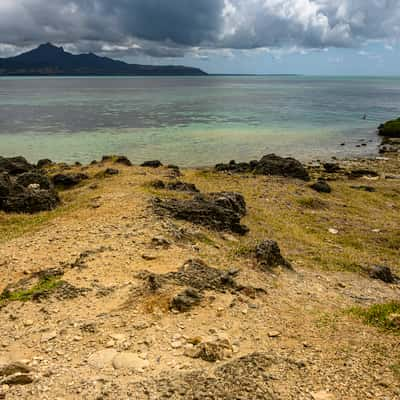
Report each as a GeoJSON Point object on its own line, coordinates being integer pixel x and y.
{"type": "Point", "coordinates": [162, 28]}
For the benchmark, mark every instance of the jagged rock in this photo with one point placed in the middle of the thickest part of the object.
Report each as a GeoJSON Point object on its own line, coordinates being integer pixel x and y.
{"type": "Point", "coordinates": [152, 164]}
{"type": "Point", "coordinates": [331, 168]}
{"type": "Point", "coordinates": [67, 181]}
{"type": "Point", "coordinates": [117, 160]}
{"type": "Point", "coordinates": [5, 185]}
{"type": "Point", "coordinates": [359, 173]}
{"type": "Point", "coordinates": [182, 187]}
{"type": "Point", "coordinates": [17, 379]}
{"type": "Point", "coordinates": [107, 172]}
{"type": "Point", "coordinates": [34, 177]}
{"type": "Point", "coordinates": [13, 368]}
{"type": "Point", "coordinates": [158, 184]}
{"type": "Point", "coordinates": [159, 241]}
{"type": "Point", "coordinates": [321, 186]}
{"type": "Point", "coordinates": [15, 165]}
{"type": "Point", "coordinates": [43, 163]}
{"type": "Point", "coordinates": [219, 211]}
{"type": "Point", "coordinates": [382, 273]}
{"type": "Point", "coordinates": [268, 254]}
{"type": "Point", "coordinates": [29, 200]}
{"type": "Point", "coordinates": [178, 186]}
{"type": "Point", "coordinates": [198, 275]}
{"type": "Point", "coordinates": [186, 300]}
{"type": "Point", "coordinates": [270, 164]}
{"type": "Point", "coordinates": [211, 351]}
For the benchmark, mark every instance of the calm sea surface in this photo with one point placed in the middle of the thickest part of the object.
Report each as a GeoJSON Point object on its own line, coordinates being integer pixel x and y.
{"type": "Point", "coordinates": [193, 121]}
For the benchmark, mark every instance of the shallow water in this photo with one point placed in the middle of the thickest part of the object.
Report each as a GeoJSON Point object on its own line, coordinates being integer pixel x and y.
{"type": "Point", "coordinates": [193, 121]}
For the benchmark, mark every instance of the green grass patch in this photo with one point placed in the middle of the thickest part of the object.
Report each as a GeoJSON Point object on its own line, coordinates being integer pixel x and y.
{"type": "Point", "coordinates": [42, 288]}
{"type": "Point", "coordinates": [384, 316]}
{"type": "Point", "coordinates": [396, 370]}
{"type": "Point", "coordinates": [312, 203]}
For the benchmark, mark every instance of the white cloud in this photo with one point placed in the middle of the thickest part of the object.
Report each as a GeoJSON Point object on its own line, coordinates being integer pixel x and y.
{"type": "Point", "coordinates": [170, 28]}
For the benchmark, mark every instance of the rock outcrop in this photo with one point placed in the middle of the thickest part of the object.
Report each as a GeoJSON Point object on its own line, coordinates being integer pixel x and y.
{"type": "Point", "coordinates": [220, 211]}
{"type": "Point", "coordinates": [25, 189]}
{"type": "Point", "coordinates": [270, 164]}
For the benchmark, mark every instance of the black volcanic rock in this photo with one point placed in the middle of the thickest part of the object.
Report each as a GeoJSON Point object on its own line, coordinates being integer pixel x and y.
{"type": "Point", "coordinates": [270, 164]}
{"type": "Point", "coordinates": [48, 59]}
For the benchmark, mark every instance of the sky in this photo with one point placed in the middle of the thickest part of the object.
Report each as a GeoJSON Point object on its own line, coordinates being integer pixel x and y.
{"type": "Point", "coordinates": [314, 37]}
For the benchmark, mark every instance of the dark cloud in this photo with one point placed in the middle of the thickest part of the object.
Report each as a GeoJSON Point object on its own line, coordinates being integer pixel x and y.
{"type": "Point", "coordinates": [169, 28]}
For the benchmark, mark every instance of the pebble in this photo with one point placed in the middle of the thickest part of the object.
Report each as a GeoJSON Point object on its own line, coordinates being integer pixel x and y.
{"type": "Point", "coordinates": [129, 361]}
{"type": "Point", "coordinates": [46, 337]}
{"type": "Point", "coordinates": [102, 358]}
{"type": "Point", "coordinates": [333, 231]}
{"type": "Point", "coordinates": [322, 395]}
{"type": "Point", "coordinates": [274, 334]}
{"type": "Point", "coordinates": [28, 322]}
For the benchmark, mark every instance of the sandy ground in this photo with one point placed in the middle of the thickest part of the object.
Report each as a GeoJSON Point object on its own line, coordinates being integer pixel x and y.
{"type": "Point", "coordinates": [290, 337]}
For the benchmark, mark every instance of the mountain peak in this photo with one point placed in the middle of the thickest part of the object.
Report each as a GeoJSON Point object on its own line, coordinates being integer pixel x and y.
{"type": "Point", "coordinates": [49, 47]}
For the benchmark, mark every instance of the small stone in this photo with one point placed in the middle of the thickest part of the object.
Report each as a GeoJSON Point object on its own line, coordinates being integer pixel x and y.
{"type": "Point", "coordinates": [322, 395]}
{"type": "Point", "coordinates": [119, 337]}
{"type": "Point", "coordinates": [28, 322]}
{"type": "Point", "coordinates": [176, 344]}
{"type": "Point", "coordinates": [102, 358]}
{"type": "Point", "coordinates": [129, 361]}
{"type": "Point", "coordinates": [333, 231]}
{"type": "Point", "coordinates": [17, 379]}
{"type": "Point", "coordinates": [110, 343]}
{"type": "Point", "coordinates": [149, 257]}
{"type": "Point", "coordinates": [46, 337]}
{"type": "Point", "coordinates": [274, 334]}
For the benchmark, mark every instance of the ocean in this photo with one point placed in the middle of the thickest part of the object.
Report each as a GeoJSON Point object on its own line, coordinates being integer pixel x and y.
{"type": "Point", "coordinates": [194, 121]}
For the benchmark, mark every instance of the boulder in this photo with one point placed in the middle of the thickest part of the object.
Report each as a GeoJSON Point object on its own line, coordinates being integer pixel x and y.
{"type": "Point", "coordinates": [43, 163]}
{"type": "Point", "coordinates": [152, 164]}
{"type": "Point", "coordinates": [107, 172]}
{"type": "Point", "coordinates": [67, 181]}
{"type": "Point", "coordinates": [182, 187]}
{"type": "Point", "coordinates": [34, 177]}
{"type": "Point", "coordinates": [359, 173]}
{"type": "Point", "coordinates": [272, 164]}
{"type": "Point", "coordinates": [186, 300]}
{"type": "Point", "coordinates": [15, 165]}
{"type": "Point", "coordinates": [321, 186]}
{"type": "Point", "coordinates": [17, 198]}
{"type": "Point", "coordinates": [5, 185]}
{"type": "Point", "coordinates": [331, 168]}
{"type": "Point", "coordinates": [219, 211]}
{"type": "Point", "coordinates": [117, 160]}
{"type": "Point", "coordinates": [381, 273]}
{"type": "Point", "coordinates": [29, 201]}
{"type": "Point", "coordinates": [268, 254]}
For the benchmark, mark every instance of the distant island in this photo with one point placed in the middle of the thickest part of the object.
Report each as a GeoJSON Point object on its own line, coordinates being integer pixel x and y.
{"type": "Point", "coordinates": [49, 60]}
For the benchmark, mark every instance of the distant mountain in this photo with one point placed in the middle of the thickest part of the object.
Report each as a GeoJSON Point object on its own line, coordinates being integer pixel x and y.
{"type": "Point", "coordinates": [48, 59]}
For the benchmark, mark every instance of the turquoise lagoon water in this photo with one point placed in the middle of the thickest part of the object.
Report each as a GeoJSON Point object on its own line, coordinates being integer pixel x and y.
{"type": "Point", "coordinates": [193, 121]}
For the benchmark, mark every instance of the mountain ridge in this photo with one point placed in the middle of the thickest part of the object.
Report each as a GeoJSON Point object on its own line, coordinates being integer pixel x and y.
{"type": "Point", "coordinates": [48, 59]}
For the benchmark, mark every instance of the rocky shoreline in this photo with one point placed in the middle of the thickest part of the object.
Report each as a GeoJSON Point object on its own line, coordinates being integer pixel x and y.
{"type": "Point", "coordinates": [267, 279]}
